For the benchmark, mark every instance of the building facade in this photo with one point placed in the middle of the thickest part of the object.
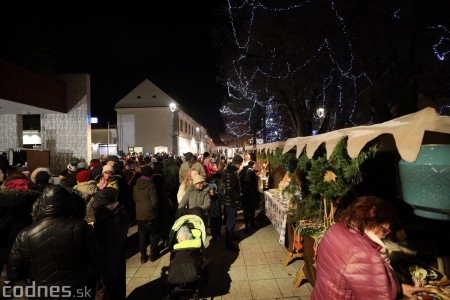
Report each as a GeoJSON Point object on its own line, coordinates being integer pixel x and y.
{"type": "Point", "coordinates": [63, 104]}
{"type": "Point", "coordinates": [148, 123]}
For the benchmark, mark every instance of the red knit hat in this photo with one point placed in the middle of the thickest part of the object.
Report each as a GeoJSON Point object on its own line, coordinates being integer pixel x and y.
{"type": "Point", "coordinates": [84, 175]}
{"type": "Point", "coordinates": [95, 163]}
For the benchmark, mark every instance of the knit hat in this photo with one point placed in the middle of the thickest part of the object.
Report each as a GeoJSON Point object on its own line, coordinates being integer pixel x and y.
{"type": "Point", "coordinates": [82, 165]}
{"type": "Point", "coordinates": [105, 196]}
{"type": "Point", "coordinates": [107, 168]}
{"type": "Point", "coordinates": [213, 186]}
{"type": "Point", "coordinates": [184, 233]}
{"type": "Point", "coordinates": [95, 162]}
{"type": "Point", "coordinates": [257, 167]}
{"type": "Point", "coordinates": [42, 177]}
{"type": "Point", "coordinates": [147, 171]}
{"type": "Point", "coordinates": [197, 179]}
{"type": "Point", "coordinates": [83, 176]}
{"type": "Point", "coordinates": [72, 167]}
{"type": "Point", "coordinates": [237, 159]}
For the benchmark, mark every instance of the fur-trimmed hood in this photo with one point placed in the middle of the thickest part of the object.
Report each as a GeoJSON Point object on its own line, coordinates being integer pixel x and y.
{"type": "Point", "coordinates": [37, 170]}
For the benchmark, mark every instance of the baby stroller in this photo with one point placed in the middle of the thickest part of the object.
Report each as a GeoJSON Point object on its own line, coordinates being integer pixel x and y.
{"type": "Point", "coordinates": [186, 257]}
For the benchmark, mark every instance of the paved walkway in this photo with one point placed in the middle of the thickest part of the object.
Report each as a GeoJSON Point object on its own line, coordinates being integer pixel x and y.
{"type": "Point", "coordinates": [256, 272]}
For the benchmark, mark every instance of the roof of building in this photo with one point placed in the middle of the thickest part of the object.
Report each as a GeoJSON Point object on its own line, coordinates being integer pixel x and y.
{"type": "Point", "coordinates": [146, 94]}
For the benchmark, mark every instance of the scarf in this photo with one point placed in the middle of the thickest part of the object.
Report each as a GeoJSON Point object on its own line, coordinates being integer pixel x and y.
{"type": "Point", "coordinates": [383, 250]}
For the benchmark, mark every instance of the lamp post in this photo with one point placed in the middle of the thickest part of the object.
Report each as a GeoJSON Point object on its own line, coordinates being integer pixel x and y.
{"type": "Point", "coordinates": [174, 108]}
{"type": "Point", "coordinates": [107, 145]}
{"type": "Point", "coordinates": [197, 130]}
{"type": "Point", "coordinates": [321, 114]}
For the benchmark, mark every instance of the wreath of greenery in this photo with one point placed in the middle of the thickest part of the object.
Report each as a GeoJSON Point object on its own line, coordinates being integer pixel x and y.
{"type": "Point", "coordinates": [323, 183]}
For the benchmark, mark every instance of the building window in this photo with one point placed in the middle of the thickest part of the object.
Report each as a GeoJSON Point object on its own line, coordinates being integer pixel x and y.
{"type": "Point", "coordinates": [185, 127]}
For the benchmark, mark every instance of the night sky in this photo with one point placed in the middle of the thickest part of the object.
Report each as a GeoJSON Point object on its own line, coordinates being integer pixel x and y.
{"type": "Point", "coordinates": [168, 43]}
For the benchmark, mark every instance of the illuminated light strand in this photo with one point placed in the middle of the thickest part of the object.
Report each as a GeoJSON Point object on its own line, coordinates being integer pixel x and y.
{"type": "Point", "coordinates": [240, 88]}
{"type": "Point", "coordinates": [441, 55]}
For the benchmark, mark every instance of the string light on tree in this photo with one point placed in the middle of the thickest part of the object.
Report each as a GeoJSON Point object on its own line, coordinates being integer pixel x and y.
{"type": "Point", "coordinates": [445, 38]}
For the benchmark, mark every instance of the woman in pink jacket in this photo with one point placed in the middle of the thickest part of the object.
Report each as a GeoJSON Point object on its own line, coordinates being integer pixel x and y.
{"type": "Point", "coordinates": [352, 260]}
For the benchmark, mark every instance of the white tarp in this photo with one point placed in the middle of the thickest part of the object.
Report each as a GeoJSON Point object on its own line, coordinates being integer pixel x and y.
{"type": "Point", "coordinates": [270, 147]}
{"type": "Point", "coordinates": [407, 131]}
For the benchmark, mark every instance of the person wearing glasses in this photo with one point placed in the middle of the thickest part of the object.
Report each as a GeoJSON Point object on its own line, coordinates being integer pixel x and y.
{"type": "Point", "coordinates": [352, 261]}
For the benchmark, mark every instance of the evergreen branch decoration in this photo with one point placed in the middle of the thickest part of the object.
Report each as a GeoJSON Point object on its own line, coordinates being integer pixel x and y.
{"type": "Point", "coordinates": [276, 158]}
{"type": "Point", "coordinates": [261, 155]}
{"type": "Point", "coordinates": [347, 171]}
{"type": "Point", "coordinates": [304, 163]}
{"type": "Point", "coordinates": [324, 183]}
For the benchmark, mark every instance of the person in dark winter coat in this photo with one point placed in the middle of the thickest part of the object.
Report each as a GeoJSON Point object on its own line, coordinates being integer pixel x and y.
{"type": "Point", "coordinates": [147, 208]}
{"type": "Point", "coordinates": [250, 198]}
{"type": "Point", "coordinates": [41, 178]}
{"type": "Point", "coordinates": [171, 183]}
{"type": "Point", "coordinates": [111, 229]}
{"type": "Point", "coordinates": [215, 213]}
{"type": "Point", "coordinates": [4, 165]}
{"type": "Point", "coordinates": [67, 176]}
{"type": "Point", "coordinates": [231, 198]}
{"type": "Point", "coordinates": [59, 249]}
{"type": "Point", "coordinates": [95, 166]}
{"type": "Point", "coordinates": [16, 202]}
{"type": "Point", "coordinates": [164, 205]}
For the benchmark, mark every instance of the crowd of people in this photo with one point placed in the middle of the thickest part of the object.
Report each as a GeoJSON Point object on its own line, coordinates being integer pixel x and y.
{"type": "Point", "coordinates": [72, 234]}
{"type": "Point", "coordinates": [54, 228]}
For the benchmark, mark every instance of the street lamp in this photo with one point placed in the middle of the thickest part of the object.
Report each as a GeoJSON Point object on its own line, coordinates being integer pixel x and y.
{"type": "Point", "coordinates": [174, 108]}
{"type": "Point", "coordinates": [197, 130]}
{"type": "Point", "coordinates": [321, 114]}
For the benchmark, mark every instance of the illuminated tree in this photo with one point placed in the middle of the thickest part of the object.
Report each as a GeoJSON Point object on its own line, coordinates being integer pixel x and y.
{"type": "Point", "coordinates": [363, 62]}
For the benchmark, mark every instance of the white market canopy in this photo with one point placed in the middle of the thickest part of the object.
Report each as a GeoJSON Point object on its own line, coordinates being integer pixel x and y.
{"type": "Point", "coordinates": [407, 131]}
{"type": "Point", "coordinates": [270, 147]}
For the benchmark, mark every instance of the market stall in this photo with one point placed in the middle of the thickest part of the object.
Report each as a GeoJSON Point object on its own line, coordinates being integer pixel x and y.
{"type": "Point", "coordinates": [276, 212]}
{"type": "Point", "coordinates": [404, 138]}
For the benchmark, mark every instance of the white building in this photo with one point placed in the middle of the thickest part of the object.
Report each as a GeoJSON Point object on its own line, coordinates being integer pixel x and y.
{"type": "Point", "coordinates": [63, 106]}
{"type": "Point", "coordinates": [146, 123]}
